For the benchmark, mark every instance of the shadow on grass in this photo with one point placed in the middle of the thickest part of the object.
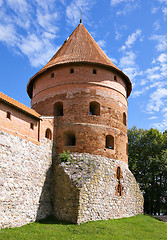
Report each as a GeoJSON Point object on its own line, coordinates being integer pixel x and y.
{"type": "Point", "coordinates": [53, 220]}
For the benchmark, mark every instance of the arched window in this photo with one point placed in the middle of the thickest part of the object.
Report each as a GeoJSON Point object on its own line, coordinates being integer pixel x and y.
{"type": "Point", "coordinates": [124, 118]}
{"type": "Point", "coordinates": [48, 134]}
{"type": "Point", "coordinates": [94, 108]}
{"type": "Point", "coordinates": [119, 189]}
{"type": "Point", "coordinates": [69, 139]}
{"type": "Point", "coordinates": [58, 109]}
{"type": "Point", "coordinates": [118, 173]}
{"type": "Point", "coordinates": [109, 142]}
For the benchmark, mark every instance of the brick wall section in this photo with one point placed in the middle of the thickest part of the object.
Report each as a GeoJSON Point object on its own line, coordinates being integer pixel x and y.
{"type": "Point", "coordinates": [46, 123]}
{"type": "Point", "coordinates": [95, 178]}
{"type": "Point", "coordinates": [76, 91]}
{"type": "Point", "coordinates": [25, 180]}
{"type": "Point", "coordinates": [19, 123]}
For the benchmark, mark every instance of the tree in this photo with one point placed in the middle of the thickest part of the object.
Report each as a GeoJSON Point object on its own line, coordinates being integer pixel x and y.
{"type": "Point", "coordinates": [148, 162]}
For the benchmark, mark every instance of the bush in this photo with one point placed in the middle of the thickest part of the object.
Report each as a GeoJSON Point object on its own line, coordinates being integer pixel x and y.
{"type": "Point", "coordinates": [64, 156]}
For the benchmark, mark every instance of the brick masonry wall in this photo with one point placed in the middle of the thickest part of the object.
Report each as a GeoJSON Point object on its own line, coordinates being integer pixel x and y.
{"type": "Point", "coordinates": [76, 91]}
{"type": "Point", "coordinates": [95, 182]}
{"type": "Point", "coordinates": [25, 180]}
{"type": "Point", "coordinates": [19, 124]}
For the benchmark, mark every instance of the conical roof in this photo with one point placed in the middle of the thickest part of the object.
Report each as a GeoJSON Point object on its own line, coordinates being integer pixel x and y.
{"type": "Point", "coordinates": [79, 47]}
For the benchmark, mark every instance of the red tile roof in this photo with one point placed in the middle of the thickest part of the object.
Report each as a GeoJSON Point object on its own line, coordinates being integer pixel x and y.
{"type": "Point", "coordinates": [18, 105]}
{"type": "Point", "coordinates": [79, 47]}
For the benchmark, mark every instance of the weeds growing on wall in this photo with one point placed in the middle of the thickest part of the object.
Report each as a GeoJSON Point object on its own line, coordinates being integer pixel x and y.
{"type": "Point", "coordinates": [64, 156]}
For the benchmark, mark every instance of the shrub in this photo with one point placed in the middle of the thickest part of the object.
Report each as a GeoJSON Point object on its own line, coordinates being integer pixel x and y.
{"type": "Point", "coordinates": [64, 156]}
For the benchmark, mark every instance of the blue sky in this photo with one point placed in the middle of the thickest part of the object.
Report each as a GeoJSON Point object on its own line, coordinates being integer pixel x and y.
{"type": "Point", "coordinates": [133, 34]}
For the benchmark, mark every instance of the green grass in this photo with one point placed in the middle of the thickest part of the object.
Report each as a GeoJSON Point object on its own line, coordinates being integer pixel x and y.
{"type": "Point", "coordinates": [139, 227]}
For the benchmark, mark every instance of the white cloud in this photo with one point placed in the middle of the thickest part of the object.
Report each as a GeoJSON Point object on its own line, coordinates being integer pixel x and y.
{"type": "Point", "coordinates": [162, 58]}
{"type": "Point", "coordinates": [115, 2]}
{"type": "Point", "coordinates": [128, 65]}
{"type": "Point", "coordinates": [46, 20]}
{"type": "Point", "coordinates": [164, 10]}
{"type": "Point", "coordinates": [30, 28]}
{"type": "Point", "coordinates": [20, 6]}
{"type": "Point", "coordinates": [153, 117]}
{"type": "Point", "coordinates": [113, 60]}
{"type": "Point", "coordinates": [154, 10]}
{"type": "Point", "coordinates": [73, 10]}
{"type": "Point", "coordinates": [157, 100]}
{"type": "Point", "coordinates": [8, 34]}
{"type": "Point", "coordinates": [161, 126]}
{"type": "Point", "coordinates": [101, 43]}
{"type": "Point", "coordinates": [163, 1]}
{"type": "Point", "coordinates": [162, 42]}
{"type": "Point", "coordinates": [137, 93]}
{"type": "Point", "coordinates": [127, 9]}
{"type": "Point", "coordinates": [117, 35]}
{"type": "Point", "coordinates": [157, 25]}
{"type": "Point", "coordinates": [131, 39]}
{"type": "Point", "coordinates": [39, 50]}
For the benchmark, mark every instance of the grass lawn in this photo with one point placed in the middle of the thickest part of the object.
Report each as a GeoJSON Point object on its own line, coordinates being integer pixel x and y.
{"type": "Point", "coordinates": [139, 227]}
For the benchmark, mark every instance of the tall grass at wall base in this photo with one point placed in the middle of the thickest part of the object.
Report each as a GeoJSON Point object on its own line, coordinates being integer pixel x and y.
{"type": "Point", "coordinates": [141, 227]}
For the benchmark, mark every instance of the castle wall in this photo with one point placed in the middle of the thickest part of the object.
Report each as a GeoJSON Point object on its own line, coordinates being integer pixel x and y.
{"type": "Point", "coordinates": [95, 177]}
{"type": "Point", "coordinates": [25, 180]}
{"type": "Point", "coordinates": [19, 123]}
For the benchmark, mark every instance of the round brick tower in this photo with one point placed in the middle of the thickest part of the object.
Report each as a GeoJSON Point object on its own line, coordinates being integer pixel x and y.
{"type": "Point", "coordinates": [87, 95]}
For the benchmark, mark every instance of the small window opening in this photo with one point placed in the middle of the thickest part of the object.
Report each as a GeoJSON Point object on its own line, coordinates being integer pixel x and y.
{"type": "Point", "coordinates": [118, 173]}
{"type": "Point", "coordinates": [8, 115]}
{"type": "Point", "coordinates": [72, 70]}
{"type": "Point", "coordinates": [124, 118]}
{"type": "Point", "coordinates": [58, 109]}
{"type": "Point", "coordinates": [94, 108]}
{"type": "Point", "coordinates": [94, 71]}
{"type": "Point", "coordinates": [115, 78]}
{"type": "Point", "coordinates": [32, 126]}
{"type": "Point", "coordinates": [69, 139]}
{"type": "Point", "coordinates": [52, 75]}
{"type": "Point", "coordinates": [48, 134]}
{"type": "Point", "coordinates": [109, 142]}
{"type": "Point", "coordinates": [119, 189]}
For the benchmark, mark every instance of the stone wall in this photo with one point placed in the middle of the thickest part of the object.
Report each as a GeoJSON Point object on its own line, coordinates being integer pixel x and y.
{"type": "Point", "coordinates": [95, 178]}
{"type": "Point", "coordinates": [25, 180]}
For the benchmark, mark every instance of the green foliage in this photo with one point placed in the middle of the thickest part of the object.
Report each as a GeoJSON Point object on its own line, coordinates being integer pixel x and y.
{"type": "Point", "coordinates": [140, 227]}
{"type": "Point", "coordinates": [148, 162]}
{"type": "Point", "coordinates": [64, 156]}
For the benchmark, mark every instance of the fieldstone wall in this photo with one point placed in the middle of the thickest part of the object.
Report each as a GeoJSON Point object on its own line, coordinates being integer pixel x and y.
{"type": "Point", "coordinates": [25, 180]}
{"type": "Point", "coordinates": [94, 179]}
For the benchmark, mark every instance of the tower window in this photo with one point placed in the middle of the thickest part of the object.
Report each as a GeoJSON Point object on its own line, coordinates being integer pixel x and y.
{"type": "Point", "coordinates": [58, 109]}
{"type": "Point", "coordinates": [52, 75]}
{"type": "Point", "coordinates": [94, 71]}
{"type": "Point", "coordinates": [119, 189]}
{"type": "Point", "coordinates": [72, 70]}
{"type": "Point", "coordinates": [124, 118]}
{"type": "Point", "coordinates": [109, 142]}
{"type": "Point", "coordinates": [115, 78]}
{"type": "Point", "coordinates": [32, 126]}
{"type": "Point", "coordinates": [8, 115]}
{"type": "Point", "coordinates": [48, 134]}
{"type": "Point", "coordinates": [118, 173]}
{"type": "Point", "coordinates": [94, 108]}
{"type": "Point", "coordinates": [69, 139]}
